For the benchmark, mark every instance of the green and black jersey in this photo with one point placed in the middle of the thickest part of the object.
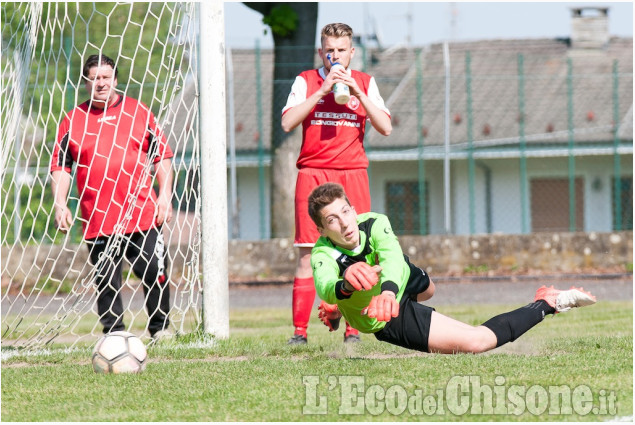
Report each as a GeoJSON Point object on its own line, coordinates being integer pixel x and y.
{"type": "Point", "coordinates": [378, 245]}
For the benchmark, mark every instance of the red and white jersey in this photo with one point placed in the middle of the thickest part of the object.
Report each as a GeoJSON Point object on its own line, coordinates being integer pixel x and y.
{"type": "Point", "coordinates": [111, 148]}
{"type": "Point", "coordinates": [333, 134]}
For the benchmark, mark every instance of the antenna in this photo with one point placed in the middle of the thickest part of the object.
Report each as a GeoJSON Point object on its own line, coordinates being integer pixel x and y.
{"type": "Point", "coordinates": [409, 23]}
{"type": "Point", "coordinates": [367, 20]}
{"type": "Point", "coordinates": [377, 34]}
{"type": "Point", "coordinates": [454, 13]}
{"type": "Point", "coordinates": [370, 30]}
{"type": "Point", "coordinates": [408, 18]}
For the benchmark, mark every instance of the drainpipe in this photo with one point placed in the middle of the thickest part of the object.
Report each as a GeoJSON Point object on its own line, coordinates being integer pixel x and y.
{"type": "Point", "coordinates": [446, 156]}
{"type": "Point", "coordinates": [488, 194]}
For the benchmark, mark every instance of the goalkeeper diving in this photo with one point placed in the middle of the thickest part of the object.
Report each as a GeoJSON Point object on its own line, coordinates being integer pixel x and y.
{"type": "Point", "coordinates": [361, 273]}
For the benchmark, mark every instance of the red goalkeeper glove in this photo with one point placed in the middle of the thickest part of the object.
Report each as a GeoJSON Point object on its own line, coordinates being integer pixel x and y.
{"type": "Point", "coordinates": [330, 315]}
{"type": "Point", "coordinates": [361, 276]}
{"type": "Point", "coordinates": [383, 307]}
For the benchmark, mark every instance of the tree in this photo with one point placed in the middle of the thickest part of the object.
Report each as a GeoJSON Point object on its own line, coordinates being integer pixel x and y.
{"type": "Point", "coordinates": [293, 26]}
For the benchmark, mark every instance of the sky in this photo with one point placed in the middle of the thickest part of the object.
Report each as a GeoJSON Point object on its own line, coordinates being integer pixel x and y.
{"type": "Point", "coordinates": [433, 22]}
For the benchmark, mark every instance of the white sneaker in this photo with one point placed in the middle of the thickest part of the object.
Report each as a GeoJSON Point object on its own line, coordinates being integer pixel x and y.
{"type": "Point", "coordinates": [565, 300]}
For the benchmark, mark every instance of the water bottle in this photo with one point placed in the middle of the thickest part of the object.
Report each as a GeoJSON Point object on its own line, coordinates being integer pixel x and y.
{"type": "Point", "coordinates": [340, 90]}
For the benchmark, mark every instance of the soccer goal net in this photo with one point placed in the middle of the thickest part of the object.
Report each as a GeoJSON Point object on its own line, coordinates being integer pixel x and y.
{"type": "Point", "coordinates": [48, 279]}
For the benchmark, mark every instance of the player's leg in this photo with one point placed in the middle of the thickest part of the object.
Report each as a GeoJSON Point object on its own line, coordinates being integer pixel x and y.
{"type": "Point", "coordinates": [108, 281]}
{"type": "Point", "coordinates": [419, 327]}
{"type": "Point", "coordinates": [448, 335]}
{"type": "Point", "coordinates": [146, 253]}
{"type": "Point", "coordinates": [306, 234]}
{"type": "Point", "coordinates": [303, 296]}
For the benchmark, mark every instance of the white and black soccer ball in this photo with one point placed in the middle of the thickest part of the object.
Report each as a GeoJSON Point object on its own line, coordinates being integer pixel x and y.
{"type": "Point", "coordinates": [119, 352]}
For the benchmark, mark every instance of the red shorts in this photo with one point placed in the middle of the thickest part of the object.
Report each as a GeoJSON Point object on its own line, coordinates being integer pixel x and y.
{"type": "Point", "coordinates": [355, 184]}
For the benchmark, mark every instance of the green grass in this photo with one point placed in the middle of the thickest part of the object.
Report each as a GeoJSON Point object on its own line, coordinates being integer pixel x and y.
{"type": "Point", "coordinates": [255, 376]}
{"type": "Point", "coordinates": [23, 328]}
{"type": "Point", "coordinates": [481, 268]}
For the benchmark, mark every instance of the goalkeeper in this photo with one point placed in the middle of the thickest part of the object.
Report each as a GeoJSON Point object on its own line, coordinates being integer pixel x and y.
{"type": "Point", "coordinates": [113, 140]}
{"type": "Point", "coordinates": [361, 273]}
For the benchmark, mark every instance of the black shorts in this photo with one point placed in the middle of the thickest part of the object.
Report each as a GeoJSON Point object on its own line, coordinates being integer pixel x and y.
{"type": "Point", "coordinates": [412, 327]}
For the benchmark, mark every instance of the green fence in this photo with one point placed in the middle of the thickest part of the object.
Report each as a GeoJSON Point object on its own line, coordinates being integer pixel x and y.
{"type": "Point", "coordinates": [488, 137]}
{"type": "Point", "coordinates": [511, 137]}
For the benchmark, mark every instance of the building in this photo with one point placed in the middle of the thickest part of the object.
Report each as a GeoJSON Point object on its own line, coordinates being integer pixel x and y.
{"type": "Point", "coordinates": [510, 136]}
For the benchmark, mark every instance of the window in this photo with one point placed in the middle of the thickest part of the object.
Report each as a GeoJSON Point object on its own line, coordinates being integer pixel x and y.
{"type": "Point", "coordinates": [624, 219]}
{"type": "Point", "coordinates": [550, 205]}
{"type": "Point", "coordinates": [403, 209]}
{"type": "Point", "coordinates": [185, 193]}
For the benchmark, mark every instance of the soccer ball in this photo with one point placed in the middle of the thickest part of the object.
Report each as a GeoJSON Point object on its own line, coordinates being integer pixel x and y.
{"type": "Point", "coordinates": [119, 352]}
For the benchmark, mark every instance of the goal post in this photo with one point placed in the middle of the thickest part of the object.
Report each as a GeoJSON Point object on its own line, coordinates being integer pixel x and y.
{"type": "Point", "coordinates": [48, 290]}
{"type": "Point", "coordinates": [214, 228]}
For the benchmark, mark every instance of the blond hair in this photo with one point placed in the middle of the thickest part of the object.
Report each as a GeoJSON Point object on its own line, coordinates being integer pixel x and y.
{"type": "Point", "coordinates": [336, 30]}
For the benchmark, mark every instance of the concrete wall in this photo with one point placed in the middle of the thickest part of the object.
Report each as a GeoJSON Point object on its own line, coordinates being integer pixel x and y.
{"type": "Point", "coordinates": [454, 255]}
{"type": "Point", "coordinates": [439, 255]}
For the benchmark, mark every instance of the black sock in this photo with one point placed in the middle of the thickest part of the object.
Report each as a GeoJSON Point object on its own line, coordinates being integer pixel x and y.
{"type": "Point", "coordinates": [509, 326]}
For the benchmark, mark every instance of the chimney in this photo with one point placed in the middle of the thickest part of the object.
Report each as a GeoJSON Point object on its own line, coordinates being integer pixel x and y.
{"type": "Point", "coordinates": [589, 27]}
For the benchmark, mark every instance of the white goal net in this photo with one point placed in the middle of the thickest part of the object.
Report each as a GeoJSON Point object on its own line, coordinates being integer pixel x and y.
{"type": "Point", "coordinates": [48, 279]}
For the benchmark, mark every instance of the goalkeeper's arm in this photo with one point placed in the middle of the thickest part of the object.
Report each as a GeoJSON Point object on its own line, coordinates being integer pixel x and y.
{"type": "Point", "coordinates": [60, 184]}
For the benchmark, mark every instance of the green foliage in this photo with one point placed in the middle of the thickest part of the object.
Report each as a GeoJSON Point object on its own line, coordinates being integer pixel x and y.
{"type": "Point", "coordinates": [31, 209]}
{"type": "Point", "coordinates": [53, 287]}
{"type": "Point", "coordinates": [133, 34]}
{"type": "Point", "coordinates": [136, 35]}
{"type": "Point", "coordinates": [255, 376]}
{"type": "Point", "coordinates": [282, 20]}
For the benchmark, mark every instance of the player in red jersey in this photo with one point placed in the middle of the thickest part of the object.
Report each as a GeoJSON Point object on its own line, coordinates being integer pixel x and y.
{"type": "Point", "coordinates": [113, 140]}
{"type": "Point", "coordinates": [332, 150]}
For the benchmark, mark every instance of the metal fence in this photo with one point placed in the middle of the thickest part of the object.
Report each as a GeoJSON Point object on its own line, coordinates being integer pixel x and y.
{"type": "Point", "coordinates": [489, 137]}
{"type": "Point", "coordinates": [501, 136]}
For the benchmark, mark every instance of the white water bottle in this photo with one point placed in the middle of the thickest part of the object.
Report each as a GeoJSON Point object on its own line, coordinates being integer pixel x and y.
{"type": "Point", "coordinates": [340, 90]}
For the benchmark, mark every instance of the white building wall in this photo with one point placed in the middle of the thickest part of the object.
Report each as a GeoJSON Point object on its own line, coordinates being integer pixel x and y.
{"type": "Point", "coordinates": [249, 214]}
{"type": "Point", "coordinates": [506, 196]}
{"type": "Point", "coordinates": [460, 205]}
{"type": "Point", "coordinates": [598, 209]}
{"type": "Point", "coordinates": [598, 185]}
{"type": "Point", "coordinates": [597, 172]}
{"type": "Point", "coordinates": [395, 171]}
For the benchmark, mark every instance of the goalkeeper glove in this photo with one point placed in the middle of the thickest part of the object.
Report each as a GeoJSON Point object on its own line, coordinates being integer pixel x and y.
{"type": "Point", "coordinates": [361, 276]}
{"type": "Point", "coordinates": [383, 307]}
{"type": "Point", "coordinates": [330, 315]}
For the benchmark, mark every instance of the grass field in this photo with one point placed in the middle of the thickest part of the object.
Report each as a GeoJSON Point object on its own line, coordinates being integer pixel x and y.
{"type": "Point", "coordinates": [586, 355]}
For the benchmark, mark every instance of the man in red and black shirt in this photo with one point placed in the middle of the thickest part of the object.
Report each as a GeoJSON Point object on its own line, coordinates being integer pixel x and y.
{"type": "Point", "coordinates": [114, 141]}
{"type": "Point", "coordinates": [332, 150]}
